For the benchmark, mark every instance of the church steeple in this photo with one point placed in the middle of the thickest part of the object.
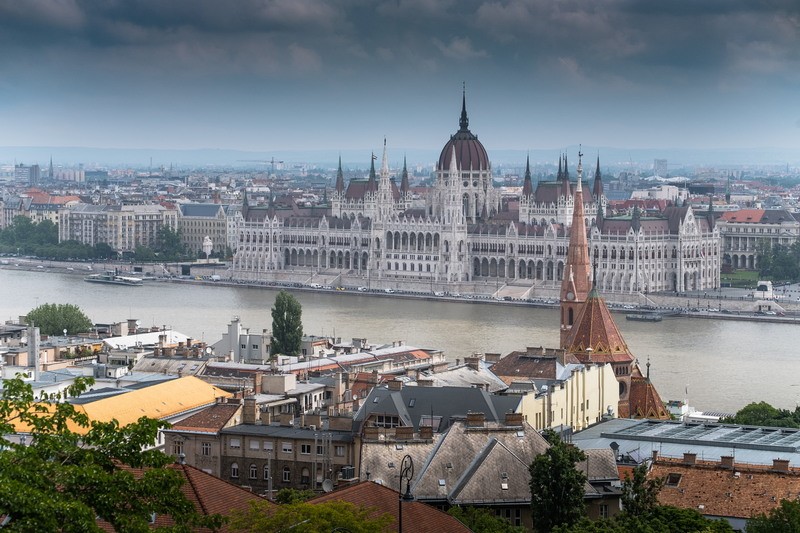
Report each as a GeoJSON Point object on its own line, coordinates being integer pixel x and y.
{"type": "Point", "coordinates": [575, 285]}
{"type": "Point", "coordinates": [340, 177]}
{"type": "Point", "coordinates": [560, 174]}
{"type": "Point", "coordinates": [565, 188]}
{"type": "Point", "coordinates": [527, 187]}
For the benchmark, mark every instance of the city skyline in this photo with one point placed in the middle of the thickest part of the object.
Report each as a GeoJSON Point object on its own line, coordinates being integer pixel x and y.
{"type": "Point", "coordinates": [289, 76]}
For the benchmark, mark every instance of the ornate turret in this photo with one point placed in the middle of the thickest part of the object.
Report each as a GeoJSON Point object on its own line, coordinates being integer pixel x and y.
{"type": "Point", "coordinates": [575, 285]}
{"type": "Point", "coordinates": [565, 188]}
{"type": "Point", "coordinates": [527, 187]}
{"type": "Point", "coordinates": [636, 219]}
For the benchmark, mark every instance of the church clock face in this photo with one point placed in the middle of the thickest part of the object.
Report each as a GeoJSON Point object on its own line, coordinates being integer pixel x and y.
{"type": "Point", "coordinates": [570, 295]}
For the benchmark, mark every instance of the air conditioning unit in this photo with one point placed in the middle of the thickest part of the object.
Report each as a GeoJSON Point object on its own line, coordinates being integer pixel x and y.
{"type": "Point", "coordinates": [348, 472]}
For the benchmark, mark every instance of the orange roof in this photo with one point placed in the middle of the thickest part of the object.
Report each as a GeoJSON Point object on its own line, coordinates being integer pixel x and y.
{"type": "Point", "coordinates": [743, 215]}
{"type": "Point", "coordinates": [594, 336]}
{"type": "Point", "coordinates": [425, 519]}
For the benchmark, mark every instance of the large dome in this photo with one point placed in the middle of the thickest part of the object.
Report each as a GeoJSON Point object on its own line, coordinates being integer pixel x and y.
{"type": "Point", "coordinates": [470, 153]}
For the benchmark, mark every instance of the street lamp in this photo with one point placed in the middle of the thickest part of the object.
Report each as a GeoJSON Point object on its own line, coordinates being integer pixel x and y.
{"type": "Point", "coordinates": [407, 473]}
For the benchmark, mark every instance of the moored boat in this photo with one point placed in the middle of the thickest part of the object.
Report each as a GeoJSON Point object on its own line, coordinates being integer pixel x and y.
{"type": "Point", "coordinates": [644, 317]}
{"type": "Point", "coordinates": [113, 278]}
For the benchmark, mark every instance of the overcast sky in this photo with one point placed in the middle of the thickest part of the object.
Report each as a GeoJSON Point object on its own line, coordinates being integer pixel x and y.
{"type": "Point", "coordinates": [301, 74]}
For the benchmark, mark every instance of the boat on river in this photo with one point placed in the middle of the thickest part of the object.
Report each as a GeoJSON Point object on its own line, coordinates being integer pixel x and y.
{"type": "Point", "coordinates": [112, 278]}
{"type": "Point", "coordinates": [641, 317]}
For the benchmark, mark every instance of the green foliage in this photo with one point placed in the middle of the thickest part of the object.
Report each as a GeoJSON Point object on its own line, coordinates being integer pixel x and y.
{"type": "Point", "coordinates": [293, 496]}
{"type": "Point", "coordinates": [779, 262]}
{"type": "Point", "coordinates": [783, 519]}
{"type": "Point", "coordinates": [556, 485]}
{"type": "Point", "coordinates": [303, 517]}
{"type": "Point", "coordinates": [287, 325]}
{"type": "Point", "coordinates": [169, 245]}
{"type": "Point", "coordinates": [639, 494]}
{"type": "Point", "coordinates": [763, 414]}
{"type": "Point", "coordinates": [74, 470]}
{"type": "Point", "coordinates": [41, 240]}
{"type": "Point", "coordinates": [662, 519]}
{"type": "Point", "coordinates": [53, 319]}
{"type": "Point", "coordinates": [483, 520]}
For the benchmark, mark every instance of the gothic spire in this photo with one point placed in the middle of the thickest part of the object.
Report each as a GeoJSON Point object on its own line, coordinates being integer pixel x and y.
{"type": "Point", "coordinates": [597, 189]}
{"type": "Point", "coordinates": [404, 181]}
{"type": "Point", "coordinates": [559, 175]}
{"type": "Point", "coordinates": [340, 177]}
{"type": "Point", "coordinates": [527, 187]}
{"type": "Point", "coordinates": [384, 161]}
{"type": "Point", "coordinates": [464, 121]}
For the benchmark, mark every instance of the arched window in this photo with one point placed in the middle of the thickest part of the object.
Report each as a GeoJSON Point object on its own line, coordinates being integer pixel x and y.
{"type": "Point", "coordinates": [234, 470]}
{"type": "Point", "coordinates": [287, 474]}
{"type": "Point", "coordinates": [253, 471]}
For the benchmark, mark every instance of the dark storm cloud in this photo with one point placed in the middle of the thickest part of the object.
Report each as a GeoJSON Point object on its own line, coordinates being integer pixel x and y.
{"type": "Point", "coordinates": [201, 57]}
{"type": "Point", "coordinates": [622, 38]}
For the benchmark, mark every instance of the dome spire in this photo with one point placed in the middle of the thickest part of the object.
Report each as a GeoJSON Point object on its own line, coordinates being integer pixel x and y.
{"type": "Point", "coordinates": [404, 181]}
{"type": "Point", "coordinates": [464, 122]}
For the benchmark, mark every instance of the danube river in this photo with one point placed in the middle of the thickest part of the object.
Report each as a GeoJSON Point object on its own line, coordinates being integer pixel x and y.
{"type": "Point", "coordinates": [724, 364]}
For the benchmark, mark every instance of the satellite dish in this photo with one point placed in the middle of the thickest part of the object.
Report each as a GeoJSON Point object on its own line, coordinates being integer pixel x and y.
{"type": "Point", "coordinates": [327, 485]}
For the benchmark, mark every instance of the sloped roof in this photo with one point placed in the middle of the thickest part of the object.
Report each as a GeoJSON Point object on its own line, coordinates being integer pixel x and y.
{"type": "Point", "coordinates": [594, 336]}
{"type": "Point", "coordinates": [644, 400]}
{"type": "Point", "coordinates": [412, 403]}
{"type": "Point", "coordinates": [200, 210]}
{"type": "Point", "coordinates": [523, 365]}
{"type": "Point", "coordinates": [425, 519]}
{"type": "Point", "coordinates": [720, 491]}
{"type": "Point", "coordinates": [161, 401]}
{"type": "Point", "coordinates": [743, 215]}
{"type": "Point", "coordinates": [495, 474]}
{"type": "Point", "coordinates": [209, 494]}
{"type": "Point", "coordinates": [211, 419]}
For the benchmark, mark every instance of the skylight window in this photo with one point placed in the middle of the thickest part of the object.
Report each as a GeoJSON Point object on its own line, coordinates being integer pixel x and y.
{"type": "Point", "coordinates": [672, 479]}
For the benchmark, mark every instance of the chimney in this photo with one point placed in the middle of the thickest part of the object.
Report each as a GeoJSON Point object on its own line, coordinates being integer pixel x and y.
{"type": "Point", "coordinates": [726, 461]}
{"type": "Point", "coordinates": [514, 419]}
{"type": "Point", "coordinates": [372, 432]}
{"type": "Point", "coordinates": [426, 432]}
{"type": "Point", "coordinates": [475, 420]}
{"type": "Point", "coordinates": [689, 458]}
{"type": "Point", "coordinates": [395, 384]}
{"type": "Point", "coordinates": [492, 357]}
{"type": "Point", "coordinates": [424, 382]}
{"type": "Point", "coordinates": [473, 362]}
{"type": "Point", "coordinates": [249, 411]}
{"type": "Point", "coordinates": [780, 465]}
{"type": "Point", "coordinates": [257, 377]}
{"type": "Point", "coordinates": [286, 419]}
{"type": "Point", "coordinates": [404, 432]}
{"type": "Point", "coordinates": [655, 456]}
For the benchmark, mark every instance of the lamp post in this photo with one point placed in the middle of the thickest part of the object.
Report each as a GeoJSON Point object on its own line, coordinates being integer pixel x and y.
{"type": "Point", "coordinates": [407, 473]}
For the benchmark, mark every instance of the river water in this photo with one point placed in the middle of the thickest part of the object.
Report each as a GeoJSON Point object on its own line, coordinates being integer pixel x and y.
{"type": "Point", "coordinates": [723, 364]}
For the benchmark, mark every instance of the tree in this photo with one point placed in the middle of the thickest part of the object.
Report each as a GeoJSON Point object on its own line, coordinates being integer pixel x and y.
{"type": "Point", "coordinates": [763, 414]}
{"type": "Point", "coordinates": [293, 495]}
{"type": "Point", "coordinates": [483, 520]}
{"type": "Point", "coordinates": [557, 485]}
{"type": "Point", "coordinates": [783, 519]}
{"type": "Point", "coordinates": [304, 517]}
{"type": "Point", "coordinates": [69, 471]}
{"type": "Point", "coordinates": [287, 325]}
{"type": "Point", "coordinates": [663, 519]}
{"type": "Point", "coordinates": [639, 494]}
{"type": "Point", "coordinates": [53, 319]}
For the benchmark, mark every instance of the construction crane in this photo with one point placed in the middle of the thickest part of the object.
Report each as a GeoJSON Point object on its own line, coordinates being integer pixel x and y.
{"type": "Point", "coordinates": [271, 161]}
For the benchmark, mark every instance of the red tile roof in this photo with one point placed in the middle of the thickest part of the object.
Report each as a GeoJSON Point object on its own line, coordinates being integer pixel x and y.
{"type": "Point", "coordinates": [740, 492]}
{"type": "Point", "coordinates": [211, 419]}
{"type": "Point", "coordinates": [417, 517]}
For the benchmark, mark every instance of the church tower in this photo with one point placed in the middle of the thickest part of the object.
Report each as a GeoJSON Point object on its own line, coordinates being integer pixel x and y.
{"type": "Point", "coordinates": [385, 198]}
{"type": "Point", "coordinates": [575, 285]}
